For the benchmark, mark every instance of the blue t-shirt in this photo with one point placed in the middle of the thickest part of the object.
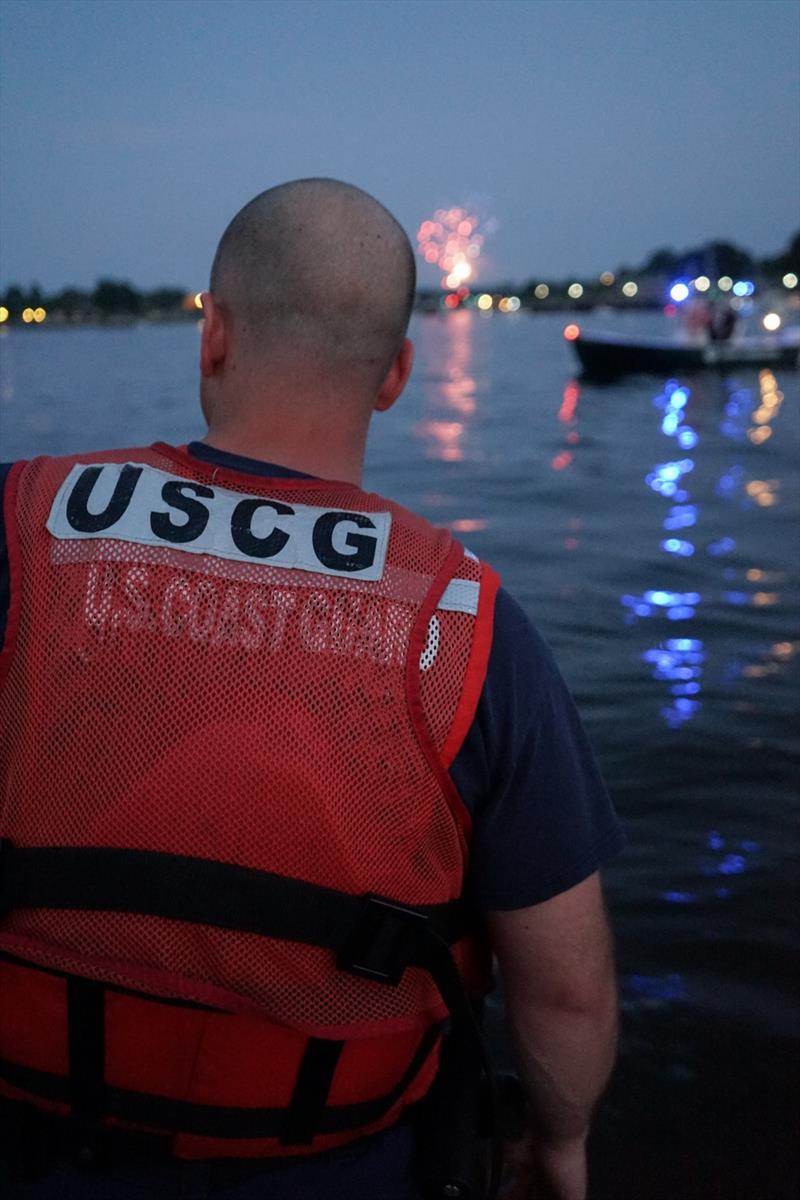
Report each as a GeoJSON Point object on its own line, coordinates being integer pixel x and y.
{"type": "Point", "coordinates": [542, 818]}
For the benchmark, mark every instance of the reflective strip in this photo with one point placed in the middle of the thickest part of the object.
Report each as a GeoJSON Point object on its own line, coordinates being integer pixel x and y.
{"type": "Point", "coordinates": [461, 595]}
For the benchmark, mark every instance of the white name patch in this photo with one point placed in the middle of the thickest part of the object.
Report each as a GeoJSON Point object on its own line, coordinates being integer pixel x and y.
{"type": "Point", "coordinates": [133, 502]}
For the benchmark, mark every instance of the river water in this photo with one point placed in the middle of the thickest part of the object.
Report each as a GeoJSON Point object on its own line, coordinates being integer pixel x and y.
{"type": "Point", "coordinates": [650, 529]}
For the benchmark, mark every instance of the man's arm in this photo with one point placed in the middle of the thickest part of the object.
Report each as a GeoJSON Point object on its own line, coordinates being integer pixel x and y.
{"type": "Point", "coordinates": [556, 963]}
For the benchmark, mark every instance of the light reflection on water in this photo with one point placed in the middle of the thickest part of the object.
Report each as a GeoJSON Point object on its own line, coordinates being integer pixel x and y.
{"type": "Point", "coordinates": [650, 529]}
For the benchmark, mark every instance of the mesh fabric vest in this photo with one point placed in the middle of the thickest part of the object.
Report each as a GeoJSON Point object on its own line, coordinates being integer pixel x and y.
{"type": "Point", "coordinates": [211, 721]}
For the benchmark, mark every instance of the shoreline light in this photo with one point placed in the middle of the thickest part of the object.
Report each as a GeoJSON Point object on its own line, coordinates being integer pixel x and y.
{"type": "Point", "coordinates": [702, 283]}
{"type": "Point", "coordinates": [725, 283]}
{"type": "Point", "coordinates": [679, 292]}
{"type": "Point", "coordinates": [484, 302]}
{"type": "Point", "coordinates": [4, 314]}
{"type": "Point", "coordinates": [630, 288]}
{"type": "Point", "coordinates": [789, 280]}
{"type": "Point", "coordinates": [541, 291]}
{"type": "Point", "coordinates": [572, 332]}
{"type": "Point", "coordinates": [771, 321]}
{"type": "Point", "coordinates": [575, 291]}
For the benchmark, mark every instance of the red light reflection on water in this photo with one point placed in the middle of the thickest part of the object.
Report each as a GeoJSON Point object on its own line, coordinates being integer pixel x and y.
{"type": "Point", "coordinates": [572, 394]}
{"type": "Point", "coordinates": [468, 524]}
{"type": "Point", "coordinates": [450, 399]}
{"type": "Point", "coordinates": [444, 438]}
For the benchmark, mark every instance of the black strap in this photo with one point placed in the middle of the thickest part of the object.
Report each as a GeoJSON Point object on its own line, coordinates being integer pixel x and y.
{"type": "Point", "coordinates": [311, 1090]}
{"type": "Point", "coordinates": [198, 890]}
{"type": "Point", "coordinates": [371, 935]}
{"type": "Point", "coordinates": [219, 1121]}
{"type": "Point", "coordinates": [86, 1039]}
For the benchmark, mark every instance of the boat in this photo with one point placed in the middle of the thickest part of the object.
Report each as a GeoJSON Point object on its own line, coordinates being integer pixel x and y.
{"type": "Point", "coordinates": [608, 355]}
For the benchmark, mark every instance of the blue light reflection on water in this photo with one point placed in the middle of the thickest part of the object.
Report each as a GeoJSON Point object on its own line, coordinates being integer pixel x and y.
{"type": "Point", "coordinates": [674, 661]}
{"type": "Point", "coordinates": [670, 988]}
{"type": "Point", "coordinates": [670, 479]}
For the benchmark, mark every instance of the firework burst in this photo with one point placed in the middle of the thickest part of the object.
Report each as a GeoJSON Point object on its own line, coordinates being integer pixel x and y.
{"type": "Point", "coordinates": [453, 239]}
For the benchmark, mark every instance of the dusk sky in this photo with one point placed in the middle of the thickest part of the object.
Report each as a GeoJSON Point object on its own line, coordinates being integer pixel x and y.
{"type": "Point", "coordinates": [591, 131]}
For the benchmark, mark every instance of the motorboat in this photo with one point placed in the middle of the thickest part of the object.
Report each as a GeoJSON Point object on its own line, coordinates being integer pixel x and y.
{"type": "Point", "coordinates": [607, 355]}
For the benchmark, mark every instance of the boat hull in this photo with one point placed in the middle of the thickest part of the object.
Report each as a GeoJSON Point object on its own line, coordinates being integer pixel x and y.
{"type": "Point", "coordinates": [607, 357]}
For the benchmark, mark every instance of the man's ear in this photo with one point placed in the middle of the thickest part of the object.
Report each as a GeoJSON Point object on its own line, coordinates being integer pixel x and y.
{"type": "Point", "coordinates": [396, 378]}
{"type": "Point", "coordinates": [213, 342]}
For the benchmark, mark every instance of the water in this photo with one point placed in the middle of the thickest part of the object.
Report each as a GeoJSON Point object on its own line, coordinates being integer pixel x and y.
{"type": "Point", "coordinates": [650, 529]}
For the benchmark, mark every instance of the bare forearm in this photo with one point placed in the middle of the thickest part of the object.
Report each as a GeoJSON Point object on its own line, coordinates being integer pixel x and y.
{"type": "Point", "coordinates": [565, 1060]}
{"type": "Point", "coordinates": [557, 965]}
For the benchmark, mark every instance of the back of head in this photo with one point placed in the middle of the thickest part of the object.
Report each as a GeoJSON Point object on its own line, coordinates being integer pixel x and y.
{"type": "Point", "coordinates": [318, 274]}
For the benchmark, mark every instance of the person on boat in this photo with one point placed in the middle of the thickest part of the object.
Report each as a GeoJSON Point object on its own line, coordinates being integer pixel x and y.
{"type": "Point", "coordinates": [723, 320]}
{"type": "Point", "coordinates": [696, 314]}
{"type": "Point", "coordinates": [280, 767]}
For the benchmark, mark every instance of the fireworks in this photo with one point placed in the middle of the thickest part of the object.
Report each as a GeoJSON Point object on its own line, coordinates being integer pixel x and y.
{"type": "Point", "coordinates": [453, 240]}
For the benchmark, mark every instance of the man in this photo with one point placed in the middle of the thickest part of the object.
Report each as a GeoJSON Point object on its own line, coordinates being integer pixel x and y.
{"type": "Point", "coordinates": [270, 745]}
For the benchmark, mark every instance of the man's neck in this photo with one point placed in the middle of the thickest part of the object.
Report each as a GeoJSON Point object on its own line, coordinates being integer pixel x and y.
{"type": "Point", "coordinates": [325, 461]}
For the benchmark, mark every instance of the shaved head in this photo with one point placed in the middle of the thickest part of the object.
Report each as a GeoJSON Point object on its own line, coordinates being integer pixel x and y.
{"type": "Point", "coordinates": [319, 270]}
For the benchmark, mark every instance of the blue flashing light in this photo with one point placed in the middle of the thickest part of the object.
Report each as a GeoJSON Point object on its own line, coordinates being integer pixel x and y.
{"type": "Point", "coordinates": [679, 397]}
{"type": "Point", "coordinates": [679, 292]}
{"type": "Point", "coordinates": [733, 864]}
{"type": "Point", "coordinates": [678, 546]}
{"type": "Point", "coordinates": [670, 423]}
{"type": "Point", "coordinates": [670, 987]}
{"type": "Point", "coordinates": [661, 598]}
{"type": "Point", "coordinates": [681, 612]}
{"type": "Point", "coordinates": [730, 481]}
{"type": "Point", "coordinates": [715, 841]}
{"type": "Point", "coordinates": [722, 893]}
{"type": "Point", "coordinates": [743, 287]}
{"type": "Point", "coordinates": [667, 598]}
{"type": "Point", "coordinates": [723, 546]}
{"type": "Point", "coordinates": [680, 516]}
{"type": "Point", "coordinates": [685, 689]}
{"type": "Point", "coordinates": [731, 430]}
{"type": "Point", "coordinates": [738, 598]}
{"type": "Point", "coordinates": [680, 645]}
{"type": "Point", "coordinates": [688, 439]}
{"type": "Point", "coordinates": [750, 847]}
{"type": "Point", "coordinates": [643, 610]}
{"type": "Point", "coordinates": [679, 897]}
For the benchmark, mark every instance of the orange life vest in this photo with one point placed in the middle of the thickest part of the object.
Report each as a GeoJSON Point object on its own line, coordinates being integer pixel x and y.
{"type": "Point", "coordinates": [232, 856]}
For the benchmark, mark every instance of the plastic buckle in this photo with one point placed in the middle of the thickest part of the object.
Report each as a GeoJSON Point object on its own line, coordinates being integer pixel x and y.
{"type": "Point", "coordinates": [383, 942]}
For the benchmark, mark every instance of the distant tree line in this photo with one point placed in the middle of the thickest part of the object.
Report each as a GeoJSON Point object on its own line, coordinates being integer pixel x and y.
{"type": "Point", "coordinates": [118, 299]}
{"type": "Point", "coordinates": [715, 259]}
{"type": "Point", "coordinates": [109, 299]}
